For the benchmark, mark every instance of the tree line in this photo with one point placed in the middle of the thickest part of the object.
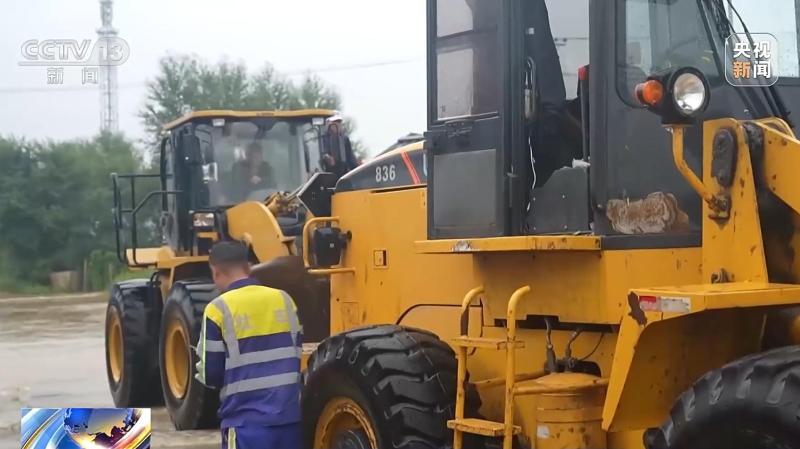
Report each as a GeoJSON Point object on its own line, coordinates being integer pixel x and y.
{"type": "Point", "coordinates": [56, 197]}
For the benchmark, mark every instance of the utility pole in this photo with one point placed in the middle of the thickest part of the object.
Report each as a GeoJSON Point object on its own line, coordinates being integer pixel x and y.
{"type": "Point", "coordinates": [109, 102]}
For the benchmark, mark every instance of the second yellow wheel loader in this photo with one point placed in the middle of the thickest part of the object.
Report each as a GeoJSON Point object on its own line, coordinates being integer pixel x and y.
{"type": "Point", "coordinates": [221, 174]}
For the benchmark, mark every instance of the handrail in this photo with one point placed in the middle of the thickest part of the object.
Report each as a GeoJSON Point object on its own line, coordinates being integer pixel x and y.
{"type": "Point", "coordinates": [539, 388]}
{"type": "Point", "coordinates": [119, 212]}
{"type": "Point", "coordinates": [511, 335]}
{"type": "Point", "coordinates": [134, 233]}
{"type": "Point", "coordinates": [462, 361]}
{"type": "Point", "coordinates": [468, 298]}
{"type": "Point", "coordinates": [497, 381]}
{"type": "Point", "coordinates": [694, 181]}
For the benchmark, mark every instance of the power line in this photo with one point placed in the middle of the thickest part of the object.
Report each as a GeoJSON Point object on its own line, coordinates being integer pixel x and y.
{"type": "Point", "coordinates": [298, 72]}
{"type": "Point", "coordinates": [341, 68]}
{"type": "Point", "coordinates": [52, 88]}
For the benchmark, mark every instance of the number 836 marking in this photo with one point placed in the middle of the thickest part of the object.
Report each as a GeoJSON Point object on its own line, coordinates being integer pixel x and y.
{"type": "Point", "coordinates": [385, 173]}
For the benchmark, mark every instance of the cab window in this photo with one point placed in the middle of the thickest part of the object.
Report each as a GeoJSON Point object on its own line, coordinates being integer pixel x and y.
{"type": "Point", "coordinates": [467, 57]}
{"type": "Point", "coordinates": [569, 22]}
{"type": "Point", "coordinates": [780, 20]}
{"type": "Point", "coordinates": [655, 36]}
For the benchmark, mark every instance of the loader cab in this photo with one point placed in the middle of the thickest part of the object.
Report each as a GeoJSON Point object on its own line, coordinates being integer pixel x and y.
{"type": "Point", "coordinates": [208, 162]}
{"type": "Point", "coordinates": [218, 159]}
{"type": "Point", "coordinates": [533, 127]}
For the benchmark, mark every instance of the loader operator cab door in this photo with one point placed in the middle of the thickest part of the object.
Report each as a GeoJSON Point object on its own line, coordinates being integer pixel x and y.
{"type": "Point", "coordinates": [466, 107]}
{"type": "Point", "coordinates": [183, 162]}
{"type": "Point", "coordinates": [501, 112]}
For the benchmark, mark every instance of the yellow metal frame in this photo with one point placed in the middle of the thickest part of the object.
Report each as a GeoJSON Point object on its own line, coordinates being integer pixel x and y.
{"type": "Point", "coordinates": [726, 314]}
{"type": "Point", "coordinates": [507, 429]}
{"type": "Point", "coordinates": [460, 424]}
{"type": "Point", "coordinates": [510, 244]}
{"type": "Point", "coordinates": [694, 181]}
{"type": "Point", "coordinates": [461, 355]}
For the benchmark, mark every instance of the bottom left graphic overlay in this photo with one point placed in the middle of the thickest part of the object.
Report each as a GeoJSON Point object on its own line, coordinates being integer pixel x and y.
{"type": "Point", "coordinates": [85, 428]}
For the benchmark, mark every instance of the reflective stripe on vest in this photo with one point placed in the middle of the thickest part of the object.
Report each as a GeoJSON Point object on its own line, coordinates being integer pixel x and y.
{"type": "Point", "coordinates": [228, 331]}
{"type": "Point", "coordinates": [258, 383]}
{"type": "Point", "coordinates": [214, 346]}
{"type": "Point", "coordinates": [294, 325]}
{"type": "Point", "coordinates": [235, 359]}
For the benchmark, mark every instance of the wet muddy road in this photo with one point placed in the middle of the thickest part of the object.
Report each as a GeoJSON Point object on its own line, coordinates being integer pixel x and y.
{"type": "Point", "coordinates": [52, 355]}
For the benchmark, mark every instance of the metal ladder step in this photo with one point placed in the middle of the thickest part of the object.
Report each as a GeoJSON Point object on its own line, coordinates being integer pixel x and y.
{"type": "Point", "coordinates": [480, 427]}
{"type": "Point", "coordinates": [484, 343]}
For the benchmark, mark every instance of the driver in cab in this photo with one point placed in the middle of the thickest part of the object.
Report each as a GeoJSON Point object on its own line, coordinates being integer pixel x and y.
{"type": "Point", "coordinates": [250, 174]}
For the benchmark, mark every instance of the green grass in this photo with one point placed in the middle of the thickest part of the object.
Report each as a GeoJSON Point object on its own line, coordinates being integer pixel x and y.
{"type": "Point", "coordinates": [12, 287]}
{"type": "Point", "coordinates": [132, 274]}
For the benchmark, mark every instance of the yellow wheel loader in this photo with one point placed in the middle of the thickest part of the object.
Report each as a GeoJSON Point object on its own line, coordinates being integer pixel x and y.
{"type": "Point", "coordinates": [595, 246]}
{"type": "Point", "coordinates": [221, 175]}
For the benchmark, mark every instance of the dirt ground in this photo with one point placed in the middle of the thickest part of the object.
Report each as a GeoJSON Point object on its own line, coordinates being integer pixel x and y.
{"type": "Point", "coordinates": [52, 355]}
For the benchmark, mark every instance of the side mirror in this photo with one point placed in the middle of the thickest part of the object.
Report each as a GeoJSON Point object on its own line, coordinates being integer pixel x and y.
{"type": "Point", "coordinates": [192, 153]}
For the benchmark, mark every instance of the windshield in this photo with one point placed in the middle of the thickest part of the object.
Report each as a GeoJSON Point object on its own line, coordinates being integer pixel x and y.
{"type": "Point", "coordinates": [658, 35]}
{"type": "Point", "coordinates": [250, 160]}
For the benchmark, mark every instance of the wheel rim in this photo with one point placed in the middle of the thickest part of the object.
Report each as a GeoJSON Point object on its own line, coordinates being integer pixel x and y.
{"type": "Point", "coordinates": [176, 359]}
{"type": "Point", "coordinates": [115, 348]}
{"type": "Point", "coordinates": [342, 419]}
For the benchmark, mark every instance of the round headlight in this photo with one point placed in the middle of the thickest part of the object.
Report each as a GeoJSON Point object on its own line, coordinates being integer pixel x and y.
{"type": "Point", "coordinates": [689, 93]}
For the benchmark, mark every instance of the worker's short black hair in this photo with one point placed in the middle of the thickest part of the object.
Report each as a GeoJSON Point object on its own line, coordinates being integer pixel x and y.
{"type": "Point", "coordinates": [228, 254]}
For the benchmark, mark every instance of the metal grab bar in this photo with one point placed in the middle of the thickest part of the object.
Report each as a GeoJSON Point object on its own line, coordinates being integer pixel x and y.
{"type": "Point", "coordinates": [715, 203]}
{"type": "Point", "coordinates": [119, 212]}
{"type": "Point", "coordinates": [511, 335]}
{"type": "Point", "coordinates": [470, 296]}
{"type": "Point", "coordinates": [524, 390]}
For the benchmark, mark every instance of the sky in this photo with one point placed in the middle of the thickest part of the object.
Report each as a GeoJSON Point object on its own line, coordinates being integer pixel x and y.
{"type": "Point", "coordinates": [371, 51]}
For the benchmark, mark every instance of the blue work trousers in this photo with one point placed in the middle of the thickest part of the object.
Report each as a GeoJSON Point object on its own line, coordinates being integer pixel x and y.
{"type": "Point", "coordinates": [262, 437]}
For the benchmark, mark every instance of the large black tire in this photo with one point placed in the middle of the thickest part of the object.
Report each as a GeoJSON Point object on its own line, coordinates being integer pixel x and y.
{"type": "Point", "coordinates": [196, 407]}
{"type": "Point", "coordinates": [752, 403]}
{"type": "Point", "coordinates": [403, 378]}
{"type": "Point", "coordinates": [132, 320]}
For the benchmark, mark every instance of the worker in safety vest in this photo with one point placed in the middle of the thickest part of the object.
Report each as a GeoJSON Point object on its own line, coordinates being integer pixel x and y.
{"type": "Point", "coordinates": [250, 348]}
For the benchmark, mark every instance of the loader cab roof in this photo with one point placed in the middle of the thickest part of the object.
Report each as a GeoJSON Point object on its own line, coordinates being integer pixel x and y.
{"type": "Point", "coordinates": [228, 113]}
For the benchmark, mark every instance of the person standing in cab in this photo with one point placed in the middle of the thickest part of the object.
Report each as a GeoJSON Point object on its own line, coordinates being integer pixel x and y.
{"type": "Point", "coordinates": [249, 349]}
{"type": "Point", "coordinates": [337, 150]}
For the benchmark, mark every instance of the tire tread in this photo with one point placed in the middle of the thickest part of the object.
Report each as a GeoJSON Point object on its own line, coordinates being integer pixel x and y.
{"type": "Point", "coordinates": [760, 388]}
{"type": "Point", "coordinates": [407, 374]}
